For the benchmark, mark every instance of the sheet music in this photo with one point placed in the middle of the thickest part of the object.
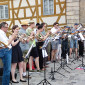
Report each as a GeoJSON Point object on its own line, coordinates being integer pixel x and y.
{"type": "Point", "coordinates": [81, 36]}
{"type": "Point", "coordinates": [44, 53]}
{"type": "Point", "coordinates": [30, 49]}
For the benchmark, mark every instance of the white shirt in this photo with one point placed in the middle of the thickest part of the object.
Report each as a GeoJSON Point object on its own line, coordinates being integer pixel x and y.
{"type": "Point", "coordinates": [4, 39]}
{"type": "Point", "coordinates": [35, 30]}
{"type": "Point", "coordinates": [53, 31]}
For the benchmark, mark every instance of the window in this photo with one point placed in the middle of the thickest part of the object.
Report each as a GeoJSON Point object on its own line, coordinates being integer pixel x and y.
{"type": "Point", "coordinates": [4, 12]}
{"type": "Point", "coordinates": [48, 7]}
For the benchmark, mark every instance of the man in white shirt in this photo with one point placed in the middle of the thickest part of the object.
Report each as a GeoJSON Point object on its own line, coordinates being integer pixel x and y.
{"type": "Point", "coordinates": [55, 43]}
{"type": "Point", "coordinates": [5, 52]}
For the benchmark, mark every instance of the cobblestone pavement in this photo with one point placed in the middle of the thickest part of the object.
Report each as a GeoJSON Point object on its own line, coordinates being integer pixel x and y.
{"type": "Point", "coordinates": [75, 77]}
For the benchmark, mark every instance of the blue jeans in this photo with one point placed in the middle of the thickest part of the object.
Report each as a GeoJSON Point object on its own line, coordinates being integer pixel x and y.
{"type": "Point", "coordinates": [5, 55]}
{"type": "Point", "coordinates": [73, 43]}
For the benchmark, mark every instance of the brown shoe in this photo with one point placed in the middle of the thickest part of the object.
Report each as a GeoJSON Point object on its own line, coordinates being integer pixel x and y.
{"type": "Point", "coordinates": [26, 76]}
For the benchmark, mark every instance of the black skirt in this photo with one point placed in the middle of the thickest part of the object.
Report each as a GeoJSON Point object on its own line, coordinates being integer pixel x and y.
{"type": "Point", "coordinates": [34, 52]}
{"type": "Point", "coordinates": [17, 54]}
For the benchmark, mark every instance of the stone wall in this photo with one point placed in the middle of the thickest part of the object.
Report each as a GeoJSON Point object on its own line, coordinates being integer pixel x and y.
{"type": "Point", "coordinates": [72, 12]}
{"type": "Point", "coordinates": [82, 12]}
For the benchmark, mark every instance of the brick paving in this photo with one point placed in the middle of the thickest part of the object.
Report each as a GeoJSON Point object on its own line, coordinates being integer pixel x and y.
{"type": "Point", "coordinates": [75, 77]}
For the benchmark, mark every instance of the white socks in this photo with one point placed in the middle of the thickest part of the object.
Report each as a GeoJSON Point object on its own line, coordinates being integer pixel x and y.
{"type": "Point", "coordinates": [24, 73]}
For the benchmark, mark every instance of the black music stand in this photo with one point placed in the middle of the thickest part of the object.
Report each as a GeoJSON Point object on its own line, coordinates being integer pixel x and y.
{"type": "Point", "coordinates": [75, 59]}
{"type": "Point", "coordinates": [28, 58]}
{"type": "Point", "coordinates": [82, 62]}
{"type": "Point", "coordinates": [64, 63]}
{"type": "Point", "coordinates": [45, 81]}
{"type": "Point", "coordinates": [62, 66]}
{"type": "Point", "coordinates": [53, 72]}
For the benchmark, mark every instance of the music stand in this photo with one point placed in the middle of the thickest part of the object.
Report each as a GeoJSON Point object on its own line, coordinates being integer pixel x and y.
{"type": "Point", "coordinates": [28, 58]}
{"type": "Point", "coordinates": [64, 63]}
{"type": "Point", "coordinates": [45, 81]}
{"type": "Point", "coordinates": [82, 38]}
{"type": "Point", "coordinates": [82, 61]}
{"type": "Point", "coordinates": [75, 59]}
{"type": "Point", "coordinates": [53, 72]}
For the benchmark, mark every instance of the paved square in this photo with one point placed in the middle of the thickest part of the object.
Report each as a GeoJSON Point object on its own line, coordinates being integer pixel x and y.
{"type": "Point", "coordinates": [75, 77]}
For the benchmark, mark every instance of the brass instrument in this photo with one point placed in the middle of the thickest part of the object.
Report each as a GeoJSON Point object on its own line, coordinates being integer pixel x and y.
{"type": "Point", "coordinates": [9, 32]}
{"type": "Point", "coordinates": [39, 37]}
{"type": "Point", "coordinates": [55, 35]}
{"type": "Point", "coordinates": [1, 43]}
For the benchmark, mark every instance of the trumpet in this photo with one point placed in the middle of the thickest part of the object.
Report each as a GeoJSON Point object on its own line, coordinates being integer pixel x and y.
{"type": "Point", "coordinates": [25, 36]}
{"type": "Point", "coordinates": [9, 32]}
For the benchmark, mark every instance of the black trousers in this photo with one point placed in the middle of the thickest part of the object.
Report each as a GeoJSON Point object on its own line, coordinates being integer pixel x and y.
{"type": "Point", "coordinates": [81, 48]}
{"type": "Point", "coordinates": [39, 45]}
{"type": "Point", "coordinates": [65, 48]}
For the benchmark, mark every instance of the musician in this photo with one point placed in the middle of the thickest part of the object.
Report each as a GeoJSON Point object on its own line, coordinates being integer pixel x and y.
{"type": "Point", "coordinates": [41, 38]}
{"type": "Point", "coordinates": [17, 56]}
{"type": "Point", "coordinates": [74, 40]}
{"type": "Point", "coordinates": [81, 44]}
{"type": "Point", "coordinates": [58, 54]}
{"type": "Point", "coordinates": [24, 46]}
{"type": "Point", "coordinates": [65, 43]}
{"type": "Point", "coordinates": [55, 43]}
{"type": "Point", "coordinates": [34, 52]}
{"type": "Point", "coordinates": [5, 52]}
{"type": "Point", "coordinates": [44, 27]}
{"type": "Point", "coordinates": [35, 30]}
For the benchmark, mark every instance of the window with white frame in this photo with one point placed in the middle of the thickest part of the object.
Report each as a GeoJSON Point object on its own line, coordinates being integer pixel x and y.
{"type": "Point", "coordinates": [4, 12]}
{"type": "Point", "coordinates": [48, 7]}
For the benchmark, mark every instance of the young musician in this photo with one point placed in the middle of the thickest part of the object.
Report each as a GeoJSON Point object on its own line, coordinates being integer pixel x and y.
{"type": "Point", "coordinates": [55, 43]}
{"type": "Point", "coordinates": [5, 52]}
{"type": "Point", "coordinates": [74, 40]}
{"type": "Point", "coordinates": [44, 27]}
{"type": "Point", "coordinates": [35, 30]}
{"type": "Point", "coordinates": [17, 56]}
{"type": "Point", "coordinates": [41, 38]}
{"type": "Point", "coordinates": [65, 46]}
{"type": "Point", "coordinates": [34, 52]}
